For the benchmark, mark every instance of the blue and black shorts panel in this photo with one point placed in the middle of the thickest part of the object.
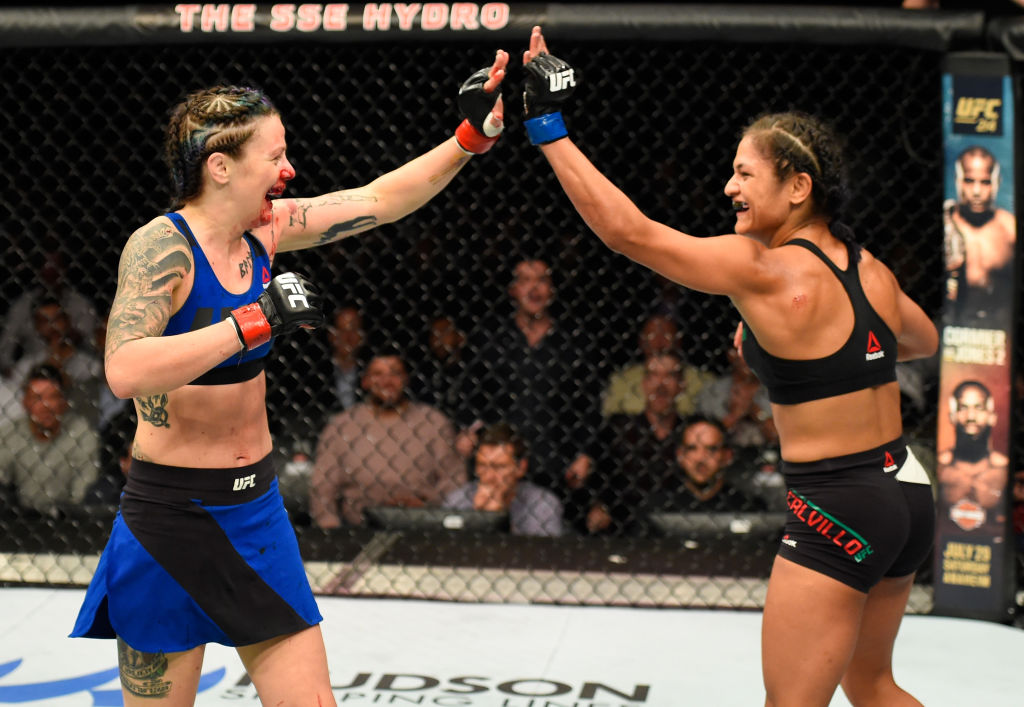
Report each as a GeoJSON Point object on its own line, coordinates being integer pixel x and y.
{"type": "Point", "coordinates": [199, 556]}
{"type": "Point", "coordinates": [859, 517]}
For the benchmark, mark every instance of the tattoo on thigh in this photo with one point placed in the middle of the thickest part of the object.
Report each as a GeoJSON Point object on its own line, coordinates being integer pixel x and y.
{"type": "Point", "coordinates": [142, 674]}
{"type": "Point", "coordinates": [154, 410]}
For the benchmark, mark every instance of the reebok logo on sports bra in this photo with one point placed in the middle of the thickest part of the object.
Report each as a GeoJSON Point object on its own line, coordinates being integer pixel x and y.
{"type": "Point", "coordinates": [874, 348]}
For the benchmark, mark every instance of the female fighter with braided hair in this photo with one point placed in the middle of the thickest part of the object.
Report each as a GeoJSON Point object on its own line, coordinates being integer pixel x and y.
{"type": "Point", "coordinates": [202, 549]}
{"type": "Point", "coordinates": [823, 324]}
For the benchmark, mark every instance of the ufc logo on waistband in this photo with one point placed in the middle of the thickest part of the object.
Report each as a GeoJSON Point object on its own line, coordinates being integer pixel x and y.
{"type": "Point", "coordinates": [290, 282]}
{"type": "Point", "coordinates": [561, 80]}
{"type": "Point", "coordinates": [245, 482]}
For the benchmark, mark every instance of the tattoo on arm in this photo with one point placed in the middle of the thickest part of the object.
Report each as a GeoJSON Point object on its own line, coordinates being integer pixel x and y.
{"type": "Point", "coordinates": [153, 409]}
{"type": "Point", "coordinates": [347, 228]}
{"type": "Point", "coordinates": [142, 674]}
{"type": "Point", "coordinates": [300, 212]}
{"type": "Point", "coordinates": [154, 261]}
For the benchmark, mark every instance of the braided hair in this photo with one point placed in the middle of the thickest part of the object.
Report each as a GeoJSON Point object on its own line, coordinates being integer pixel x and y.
{"type": "Point", "coordinates": [217, 119]}
{"type": "Point", "coordinates": [797, 142]}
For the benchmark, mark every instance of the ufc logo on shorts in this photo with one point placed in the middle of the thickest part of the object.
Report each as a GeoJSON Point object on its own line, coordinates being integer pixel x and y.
{"type": "Point", "coordinates": [561, 80]}
{"type": "Point", "coordinates": [245, 482]}
{"type": "Point", "coordinates": [290, 282]}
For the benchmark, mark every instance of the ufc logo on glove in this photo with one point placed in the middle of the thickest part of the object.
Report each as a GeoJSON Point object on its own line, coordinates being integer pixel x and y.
{"type": "Point", "coordinates": [561, 80]}
{"type": "Point", "coordinates": [290, 282]}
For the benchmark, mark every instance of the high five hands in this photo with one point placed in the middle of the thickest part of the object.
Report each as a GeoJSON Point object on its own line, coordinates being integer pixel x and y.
{"type": "Point", "coordinates": [549, 82]}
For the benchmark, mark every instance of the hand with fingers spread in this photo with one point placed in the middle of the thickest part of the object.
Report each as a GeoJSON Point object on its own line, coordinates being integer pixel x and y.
{"type": "Point", "coordinates": [549, 82]}
{"type": "Point", "coordinates": [482, 108]}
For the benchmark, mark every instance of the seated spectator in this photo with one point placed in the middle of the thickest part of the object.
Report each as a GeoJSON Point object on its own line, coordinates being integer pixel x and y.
{"type": "Point", "coordinates": [703, 457]}
{"type": "Point", "coordinates": [740, 402]}
{"type": "Point", "coordinates": [500, 464]}
{"type": "Point", "coordinates": [386, 451]}
{"type": "Point", "coordinates": [115, 456]}
{"type": "Point", "coordinates": [19, 337]}
{"type": "Point", "coordinates": [624, 394]}
{"type": "Point", "coordinates": [635, 453]}
{"type": "Point", "coordinates": [347, 339]}
{"type": "Point", "coordinates": [62, 349]}
{"type": "Point", "coordinates": [49, 458]}
{"type": "Point", "coordinates": [439, 372]}
{"type": "Point", "coordinates": [527, 369]}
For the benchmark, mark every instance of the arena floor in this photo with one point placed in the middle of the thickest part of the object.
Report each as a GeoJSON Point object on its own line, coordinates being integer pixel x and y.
{"type": "Point", "coordinates": [401, 652]}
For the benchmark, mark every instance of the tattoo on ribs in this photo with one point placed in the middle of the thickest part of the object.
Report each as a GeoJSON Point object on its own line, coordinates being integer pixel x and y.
{"type": "Point", "coordinates": [153, 261]}
{"type": "Point", "coordinates": [142, 674]}
{"type": "Point", "coordinates": [154, 410]}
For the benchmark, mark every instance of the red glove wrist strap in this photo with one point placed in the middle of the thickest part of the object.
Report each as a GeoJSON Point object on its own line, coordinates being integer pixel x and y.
{"type": "Point", "coordinates": [471, 140]}
{"type": "Point", "coordinates": [252, 325]}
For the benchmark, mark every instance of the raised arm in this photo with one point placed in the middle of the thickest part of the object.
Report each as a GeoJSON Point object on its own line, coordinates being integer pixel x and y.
{"type": "Point", "coordinates": [303, 223]}
{"type": "Point", "coordinates": [720, 265]}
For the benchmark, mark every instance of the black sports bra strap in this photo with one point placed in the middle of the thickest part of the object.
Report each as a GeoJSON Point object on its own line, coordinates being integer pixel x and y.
{"type": "Point", "coordinates": [179, 222]}
{"type": "Point", "coordinates": [851, 266]}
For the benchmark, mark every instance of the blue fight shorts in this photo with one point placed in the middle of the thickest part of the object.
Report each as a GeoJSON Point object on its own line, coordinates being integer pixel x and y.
{"type": "Point", "coordinates": [198, 556]}
{"type": "Point", "coordinates": [859, 517]}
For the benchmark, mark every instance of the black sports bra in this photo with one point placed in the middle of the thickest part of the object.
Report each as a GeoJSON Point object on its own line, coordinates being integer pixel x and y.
{"type": "Point", "coordinates": [867, 359]}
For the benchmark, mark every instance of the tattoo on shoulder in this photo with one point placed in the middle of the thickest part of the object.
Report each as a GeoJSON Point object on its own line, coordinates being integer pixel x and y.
{"type": "Point", "coordinates": [154, 261]}
{"type": "Point", "coordinates": [142, 674]}
{"type": "Point", "coordinates": [153, 409]}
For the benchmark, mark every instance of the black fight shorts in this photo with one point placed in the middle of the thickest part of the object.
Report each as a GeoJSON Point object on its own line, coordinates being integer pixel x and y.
{"type": "Point", "coordinates": [859, 517]}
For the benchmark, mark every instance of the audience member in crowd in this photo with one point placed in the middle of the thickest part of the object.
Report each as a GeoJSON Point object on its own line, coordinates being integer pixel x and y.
{"type": "Point", "coordinates": [624, 393]}
{"type": "Point", "coordinates": [739, 401]}
{"type": "Point", "coordinates": [81, 367]}
{"type": "Point", "coordinates": [385, 451]}
{"type": "Point", "coordinates": [500, 464]}
{"type": "Point", "coordinates": [347, 339]}
{"type": "Point", "coordinates": [527, 370]}
{"type": "Point", "coordinates": [440, 370]}
{"type": "Point", "coordinates": [704, 457]}
{"type": "Point", "coordinates": [20, 337]}
{"type": "Point", "coordinates": [115, 456]}
{"type": "Point", "coordinates": [49, 458]}
{"type": "Point", "coordinates": [636, 453]}
{"type": "Point", "coordinates": [307, 384]}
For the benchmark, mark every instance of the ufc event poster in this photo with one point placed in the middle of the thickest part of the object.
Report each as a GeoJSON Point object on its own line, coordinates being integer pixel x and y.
{"type": "Point", "coordinates": [973, 555]}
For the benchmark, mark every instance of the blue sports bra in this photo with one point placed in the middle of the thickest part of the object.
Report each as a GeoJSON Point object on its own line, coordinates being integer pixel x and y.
{"type": "Point", "coordinates": [209, 303]}
{"type": "Point", "coordinates": [867, 359]}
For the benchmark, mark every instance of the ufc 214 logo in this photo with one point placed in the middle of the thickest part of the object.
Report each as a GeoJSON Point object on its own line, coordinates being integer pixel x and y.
{"type": "Point", "coordinates": [245, 482]}
{"type": "Point", "coordinates": [289, 282]}
{"type": "Point", "coordinates": [561, 81]}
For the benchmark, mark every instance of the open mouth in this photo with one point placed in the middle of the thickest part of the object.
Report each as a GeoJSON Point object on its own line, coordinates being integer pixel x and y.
{"type": "Point", "coordinates": [740, 206]}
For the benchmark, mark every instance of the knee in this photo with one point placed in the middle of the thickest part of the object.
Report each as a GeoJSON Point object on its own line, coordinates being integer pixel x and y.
{"type": "Point", "coordinates": [863, 690]}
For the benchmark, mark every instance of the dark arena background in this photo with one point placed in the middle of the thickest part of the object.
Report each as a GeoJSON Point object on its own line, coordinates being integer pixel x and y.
{"type": "Point", "coordinates": [665, 92]}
